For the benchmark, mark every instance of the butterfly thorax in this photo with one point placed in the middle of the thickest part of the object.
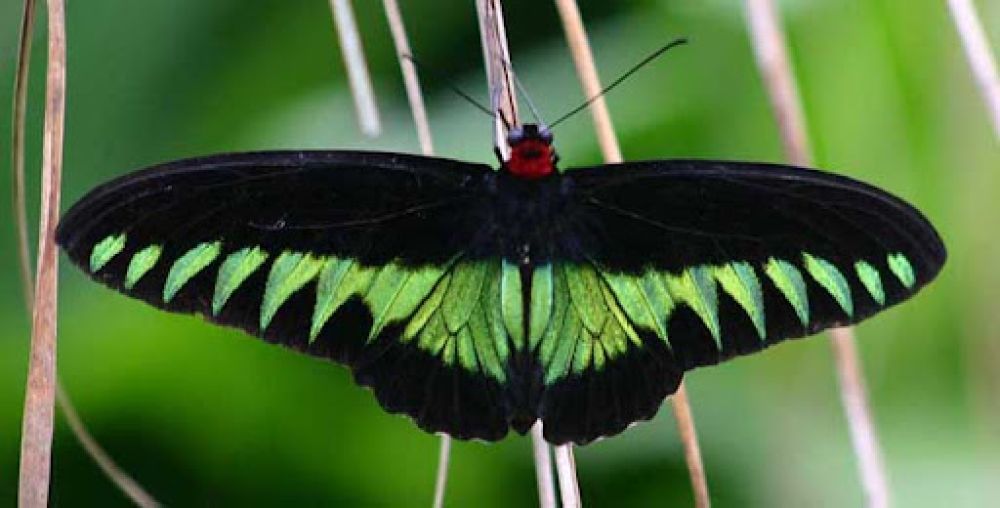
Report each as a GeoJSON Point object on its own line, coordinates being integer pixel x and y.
{"type": "Point", "coordinates": [531, 153]}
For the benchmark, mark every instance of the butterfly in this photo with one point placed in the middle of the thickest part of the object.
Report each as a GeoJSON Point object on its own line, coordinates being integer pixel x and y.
{"type": "Point", "coordinates": [478, 300]}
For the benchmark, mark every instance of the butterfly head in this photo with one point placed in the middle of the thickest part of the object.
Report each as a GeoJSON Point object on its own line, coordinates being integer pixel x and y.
{"type": "Point", "coordinates": [531, 153]}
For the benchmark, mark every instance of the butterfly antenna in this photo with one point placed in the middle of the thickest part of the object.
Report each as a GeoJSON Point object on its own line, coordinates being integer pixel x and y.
{"type": "Point", "coordinates": [653, 56]}
{"type": "Point", "coordinates": [527, 98]}
{"type": "Point", "coordinates": [468, 98]}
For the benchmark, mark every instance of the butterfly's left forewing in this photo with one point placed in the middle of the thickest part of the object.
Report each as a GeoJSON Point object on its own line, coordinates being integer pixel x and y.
{"type": "Point", "coordinates": [354, 257]}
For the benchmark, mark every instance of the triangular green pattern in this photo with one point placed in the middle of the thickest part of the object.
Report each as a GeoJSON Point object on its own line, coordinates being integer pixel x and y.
{"type": "Point", "coordinates": [188, 265]}
{"type": "Point", "coordinates": [467, 281]}
{"type": "Point", "coordinates": [511, 304]}
{"type": "Point", "coordinates": [586, 295]}
{"type": "Point", "coordinates": [561, 309]}
{"type": "Point", "coordinates": [396, 292]}
{"type": "Point", "coordinates": [428, 309]}
{"type": "Point", "coordinates": [872, 281]}
{"type": "Point", "coordinates": [829, 277]}
{"type": "Point", "coordinates": [142, 262]}
{"type": "Point", "coordinates": [289, 273]}
{"type": "Point", "coordinates": [237, 267]}
{"type": "Point", "coordinates": [633, 301]}
{"type": "Point", "coordinates": [105, 251]}
{"type": "Point", "coordinates": [570, 334]}
{"type": "Point", "coordinates": [477, 343]}
{"type": "Point", "coordinates": [696, 288]}
{"type": "Point", "coordinates": [902, 269]}
{"type": "Point", "coordinates": [740, 282]}
{"type": "Point", "coordinates": [790, 283]}
{"type": "Point", "coordinates": [339, 279]}
{"type": "Point", "coordinates": [541, 303]}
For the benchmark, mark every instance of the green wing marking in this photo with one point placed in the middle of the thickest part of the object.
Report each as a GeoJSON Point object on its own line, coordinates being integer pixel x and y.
{"type": "Point", "coordinates": [142, 262]}
{"type": "Point", "coordinates": [792, 286]}
{"type": "Point", "coordinates": [902, 269]}
{"type": "Point", "coordinates": [871, 280]}
{"type": "Point", "coordinates": [105, 250]}
{"type": "Point", "coordinates": [739, 281]}
{"type": "Point", "coordinates": [233, 272]}
{"type": "Point", "coordinates": [696, 288]}
{"type": "Point", "coordinates": [830, 278]}
{"type": "Point", "coordinates": [289, 273]}
{"type": "Point", "coordinates": [339, 279]}
{"type": "Point", "coordinates": [189, 265]}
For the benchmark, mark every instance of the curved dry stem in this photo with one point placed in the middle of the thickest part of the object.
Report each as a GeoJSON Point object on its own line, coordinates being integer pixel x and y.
{"type": "Point", "coordinates": [39, 400]}
{"type": "Point", "coordinates": [583, 58]}
{"type": "Point", "coordinates": [124, 482]}
{"type": "Point", "coordinates": [692, 452]}
{"type": "Point", "coordinates": [19, 115]}
{"type": "Point", "coordinates": [357, 70]}
{"type": "Point", "coordinates": [771, 52]}
{"type": "Point", "coordinates": [977, 51]}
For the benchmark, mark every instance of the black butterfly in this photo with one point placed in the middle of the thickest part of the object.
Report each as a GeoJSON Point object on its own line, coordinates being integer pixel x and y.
{"type": "Point", "coordinates": [476, 300]}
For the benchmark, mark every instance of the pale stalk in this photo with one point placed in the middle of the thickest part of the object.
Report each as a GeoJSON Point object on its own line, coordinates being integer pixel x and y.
{"type": "Point", "coordinates": [980, 56]}
{"type": "Point", "coordinates": [39, 400]}
{"type": "Point", "coordinates": [771, 53]}
{"type": "Point", "coordinates": [357, 69]}
{"type": "Point", "coordinates": [583, 58]}
{"type": "Point", "coordinates": [419, 111]}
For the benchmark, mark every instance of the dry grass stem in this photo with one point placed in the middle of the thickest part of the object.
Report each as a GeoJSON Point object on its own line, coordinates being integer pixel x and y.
{"type": "Point", "coordinates": [576, 36]}
{"type": "Point", "coordinates": [692, 452]}
{"type": "Point", "coordinates": [569, 487]}
{"type": "Point", "coordinates": [543, 468]}
{"type": "Point", "coordinates": [122, 480]}
{"type": "Point", "coordinates": [19, 110]}
{"type": "Point", "coordinates": [583, 58]}
{"type": "Point", "coordinates": [39, 400]}
{"type": "Point", "coordinates": [90, 445]}
{"type": "Point", "coordinates": [772, 58]}
{"type": "Point", "coordinates": [357, 70]}
{"type": "Point", "coordinates": [981, 60]}
{"type": "Point", "coordinates": [410, 81]}
{"type": "Point", "coordinates": [416, 99]}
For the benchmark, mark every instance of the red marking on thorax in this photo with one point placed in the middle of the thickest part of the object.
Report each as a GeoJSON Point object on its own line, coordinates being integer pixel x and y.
{"type": "Point", "coordinates": [530, 159]}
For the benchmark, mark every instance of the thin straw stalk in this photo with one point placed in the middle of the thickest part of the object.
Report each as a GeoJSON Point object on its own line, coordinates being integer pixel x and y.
{"type": "Point", "coordinates": [980, 56]}
{"type": "Point", "coordinates": [583, 58]}
{"type": "Point", "coordinates": [419, 111]}
{"type": "Point", "coordinates": [39, 401]}
{"type": "Point", "coordinates": [771, 53]}
{"type": "Point", "coordinates": [357, 70]}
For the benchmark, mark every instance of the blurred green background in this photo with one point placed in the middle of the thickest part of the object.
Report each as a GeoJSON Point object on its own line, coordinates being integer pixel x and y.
{"type": "Point", "coordinates": [204, 416]}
